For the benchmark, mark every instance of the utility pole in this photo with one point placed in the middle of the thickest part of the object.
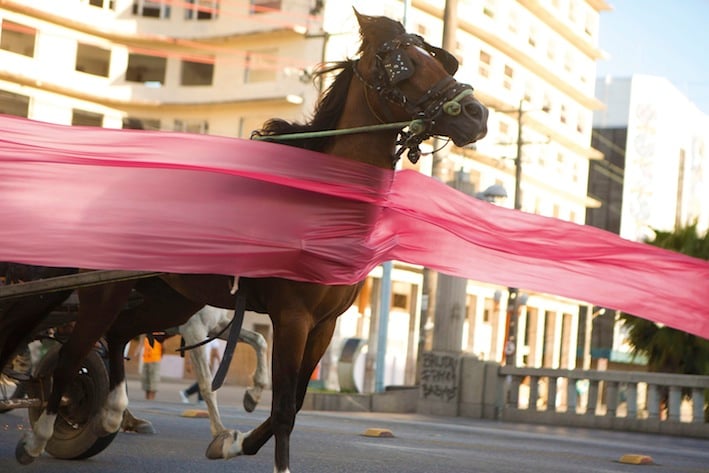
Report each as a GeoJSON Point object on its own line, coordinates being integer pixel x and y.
{"type": "Point", "coordinates": [510, 349]}
{"type": "Point", "coordinates": [450, 292]}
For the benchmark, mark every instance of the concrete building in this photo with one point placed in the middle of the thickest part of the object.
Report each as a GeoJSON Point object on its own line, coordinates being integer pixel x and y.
{"type": "Point", "coordinates": [223, 67]}
{"type": "Point", "coordinates": [655, 141]}
{"type": "Point", "coordinates": [655, 175]}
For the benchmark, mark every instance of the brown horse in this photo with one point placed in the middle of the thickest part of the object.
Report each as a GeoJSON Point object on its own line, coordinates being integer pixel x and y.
{"type": "Point", "coordinates": [397, 77]}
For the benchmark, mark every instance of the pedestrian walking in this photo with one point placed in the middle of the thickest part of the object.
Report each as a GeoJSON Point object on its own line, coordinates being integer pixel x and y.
{"type": "Point", "coordinates": [214, 357]}
{"type": "Point", "coordinates": [152, 358]}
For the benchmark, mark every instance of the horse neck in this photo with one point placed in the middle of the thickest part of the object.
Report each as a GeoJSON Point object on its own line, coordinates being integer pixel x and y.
{"type": "Point", "coordinates": [375, 148]}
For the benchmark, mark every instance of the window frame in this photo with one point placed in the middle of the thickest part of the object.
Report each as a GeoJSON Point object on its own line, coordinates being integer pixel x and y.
{"type": "Point", "coordinates": [17, 34]}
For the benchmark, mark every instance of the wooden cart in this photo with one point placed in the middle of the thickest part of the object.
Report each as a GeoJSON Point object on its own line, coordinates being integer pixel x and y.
{"type": "Point", "coordinates": [29, 388]}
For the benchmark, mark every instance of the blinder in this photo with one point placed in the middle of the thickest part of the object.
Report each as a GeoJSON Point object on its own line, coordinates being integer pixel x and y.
{"type": "Point", "coordinates": [399, 67]}
{"type": "Point", "coordinates": [447, 60]}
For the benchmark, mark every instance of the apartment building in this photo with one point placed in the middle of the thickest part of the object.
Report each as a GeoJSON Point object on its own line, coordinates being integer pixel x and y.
{"type": "Point", "coordinates": [224, 66]}
{"type": "Point", "coordinates": [205, 67]}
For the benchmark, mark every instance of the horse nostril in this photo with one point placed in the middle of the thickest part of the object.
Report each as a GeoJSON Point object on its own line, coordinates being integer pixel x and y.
{"type": "Point", "coordinates": [476, 110]}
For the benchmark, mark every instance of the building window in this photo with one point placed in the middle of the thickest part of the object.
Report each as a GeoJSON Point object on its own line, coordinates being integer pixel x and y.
{"type": "Point", "coordinates": [489, 8]}
{"type": "Point", "coordinates": [503, 128]}
{"type": "Point", "coordinates": [581, 123]}
{"type": "Point", "coordinates": [143, 68]}
{"type": "Point", "coordinates": [201, 9]}
{"type": "Point", "coordinates": [131, 123]}
{"type": "Point", "coordinates": [513, 22]}
{"type": "Point", "coordinates": [484, 64]}
{"type": "Point", "coordinates": [551, 51]}
{"type": "Point", "coordinates": [92, 59]}
{"type": "Point", "coordinates": [196, 73]}
{"type": "Point", "coordinates": [400, 301]}
{"type": "Point", "coordinates": [260, 66]}
{"type": "Point", "coordinates": [590, 26]}
{"type": "Point", "coordinates": [562, 114]}
{"type": "Point", "coordinates": [14, 104]}
{"type": "Point", "coordinates": [192, 126]}
{"type": "Point", "coordinates": [508, 80]}
{"type": "Point", "coordinates": [17, 38]}
{"type": "Point", "coordinates": [84, 118]}
{"type": "Point", "coordinates": [265, 6]}
{"type": "Point", "coordinates": [528, 92]}
{"type": "Point", "coordinates": [573, 12]}
{"type": "Point", "coordinates": [575, 172]}
{"type": "Point", "coordinates": [532, 38]}
{"type": "Point", "coordinates": [107, 4]}
{"type": "Point", "coordinates": [152, 8]}
{"type": "Point", "coordinates": [569, 61]}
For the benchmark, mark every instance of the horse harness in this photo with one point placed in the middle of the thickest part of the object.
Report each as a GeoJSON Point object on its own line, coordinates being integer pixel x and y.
{"type": "Point", "coordinates": [394, 66]}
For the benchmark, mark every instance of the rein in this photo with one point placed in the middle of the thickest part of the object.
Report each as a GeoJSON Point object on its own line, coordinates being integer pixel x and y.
{"type": "Point", "coordinates": [417, 126]}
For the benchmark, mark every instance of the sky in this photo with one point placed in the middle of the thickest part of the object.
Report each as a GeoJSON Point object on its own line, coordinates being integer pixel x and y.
{"type": "Point", "coordinates": [667, 38]}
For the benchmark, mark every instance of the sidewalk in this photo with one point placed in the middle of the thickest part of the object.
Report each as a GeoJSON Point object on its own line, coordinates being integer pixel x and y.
{"type": "Point", "coordinates": [168, 391]}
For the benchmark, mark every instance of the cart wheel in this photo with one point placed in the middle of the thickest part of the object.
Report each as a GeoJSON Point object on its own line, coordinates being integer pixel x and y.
{"type": "Point", "coordinates": [74, 437]}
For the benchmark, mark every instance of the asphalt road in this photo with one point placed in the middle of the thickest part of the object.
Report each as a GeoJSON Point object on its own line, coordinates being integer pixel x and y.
{"type": "Point", "coordinates": [333, 442]}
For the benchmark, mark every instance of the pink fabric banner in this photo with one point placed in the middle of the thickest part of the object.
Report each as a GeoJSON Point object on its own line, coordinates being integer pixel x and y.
{"type": "Point", "coordinates": [157, 201]}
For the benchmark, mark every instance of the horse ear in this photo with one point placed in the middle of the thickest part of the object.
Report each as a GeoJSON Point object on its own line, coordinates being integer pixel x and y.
{"type": "Point", "coordinates": [378, 25]}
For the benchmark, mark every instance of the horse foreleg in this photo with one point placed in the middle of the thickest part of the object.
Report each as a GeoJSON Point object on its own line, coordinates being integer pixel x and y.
{"type": "Point", "coordinates": [252, 396]}
{"type": "Point", "coordinates": [318, 342]}
{"type": "Point", "coordinates": [33, 443]}
{"type": "Point", "coordinates": [233, 443]}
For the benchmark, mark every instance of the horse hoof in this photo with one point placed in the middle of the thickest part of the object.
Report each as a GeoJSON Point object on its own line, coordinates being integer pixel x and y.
{"type": "Point", "coordinates": [140, 427]}
{"type": "Point", "coordinates": [23, 458]}
{"type": "Point", "coordinates": [222, 444]}
{"type": "Point", "coordinates": [249, 402]}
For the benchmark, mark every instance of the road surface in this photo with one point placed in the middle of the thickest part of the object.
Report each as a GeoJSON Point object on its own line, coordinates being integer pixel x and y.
{"type": "Point", "coordinates": [330, 442]}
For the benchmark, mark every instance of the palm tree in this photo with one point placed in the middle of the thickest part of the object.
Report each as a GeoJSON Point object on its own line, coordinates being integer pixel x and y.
{"type": "Point", "coordinates": [667, 349]}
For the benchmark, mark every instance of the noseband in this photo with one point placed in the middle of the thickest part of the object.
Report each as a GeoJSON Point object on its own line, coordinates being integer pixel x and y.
{"type": "Point", "coordinates": [392, 67]}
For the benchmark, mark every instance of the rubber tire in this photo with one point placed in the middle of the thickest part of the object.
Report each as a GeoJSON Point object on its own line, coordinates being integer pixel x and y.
{"type": "Point", "coordinates": [88, 393]}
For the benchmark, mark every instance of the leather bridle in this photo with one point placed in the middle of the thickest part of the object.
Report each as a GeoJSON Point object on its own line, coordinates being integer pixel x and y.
{"type": "Point", "coordinates": [392, 67]}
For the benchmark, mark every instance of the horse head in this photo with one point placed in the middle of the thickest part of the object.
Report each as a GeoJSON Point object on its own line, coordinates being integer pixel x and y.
{"type": "Point", "coordinates": [414, 80]}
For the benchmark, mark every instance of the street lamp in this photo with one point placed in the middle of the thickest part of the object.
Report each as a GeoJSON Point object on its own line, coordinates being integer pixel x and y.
{"type": "Point", "coordinates": [492, 193]}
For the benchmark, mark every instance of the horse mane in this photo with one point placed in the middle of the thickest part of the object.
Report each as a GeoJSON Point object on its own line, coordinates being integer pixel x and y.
{"type": "Point", "coordinates": [327, 111]}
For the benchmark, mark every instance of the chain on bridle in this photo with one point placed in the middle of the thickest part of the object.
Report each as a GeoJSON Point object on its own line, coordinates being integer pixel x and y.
{"type": "Point", "coordinates": [394, 66]}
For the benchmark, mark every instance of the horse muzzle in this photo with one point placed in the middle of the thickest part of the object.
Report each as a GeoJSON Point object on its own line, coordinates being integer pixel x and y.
{"type": "Point", "coordinates": [463, 120]}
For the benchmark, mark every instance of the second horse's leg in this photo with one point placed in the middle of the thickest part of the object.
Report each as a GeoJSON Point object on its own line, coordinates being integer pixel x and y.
{"type": "Point", "coordinates": [252, 396]}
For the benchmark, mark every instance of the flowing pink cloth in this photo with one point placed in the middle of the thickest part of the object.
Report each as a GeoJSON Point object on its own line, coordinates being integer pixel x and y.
{"type": "Point", "coordinates": [157, 201]}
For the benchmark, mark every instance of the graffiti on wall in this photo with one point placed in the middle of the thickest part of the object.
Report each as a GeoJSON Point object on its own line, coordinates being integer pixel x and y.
{"type": "Point", "coordinates": [439, 376]}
